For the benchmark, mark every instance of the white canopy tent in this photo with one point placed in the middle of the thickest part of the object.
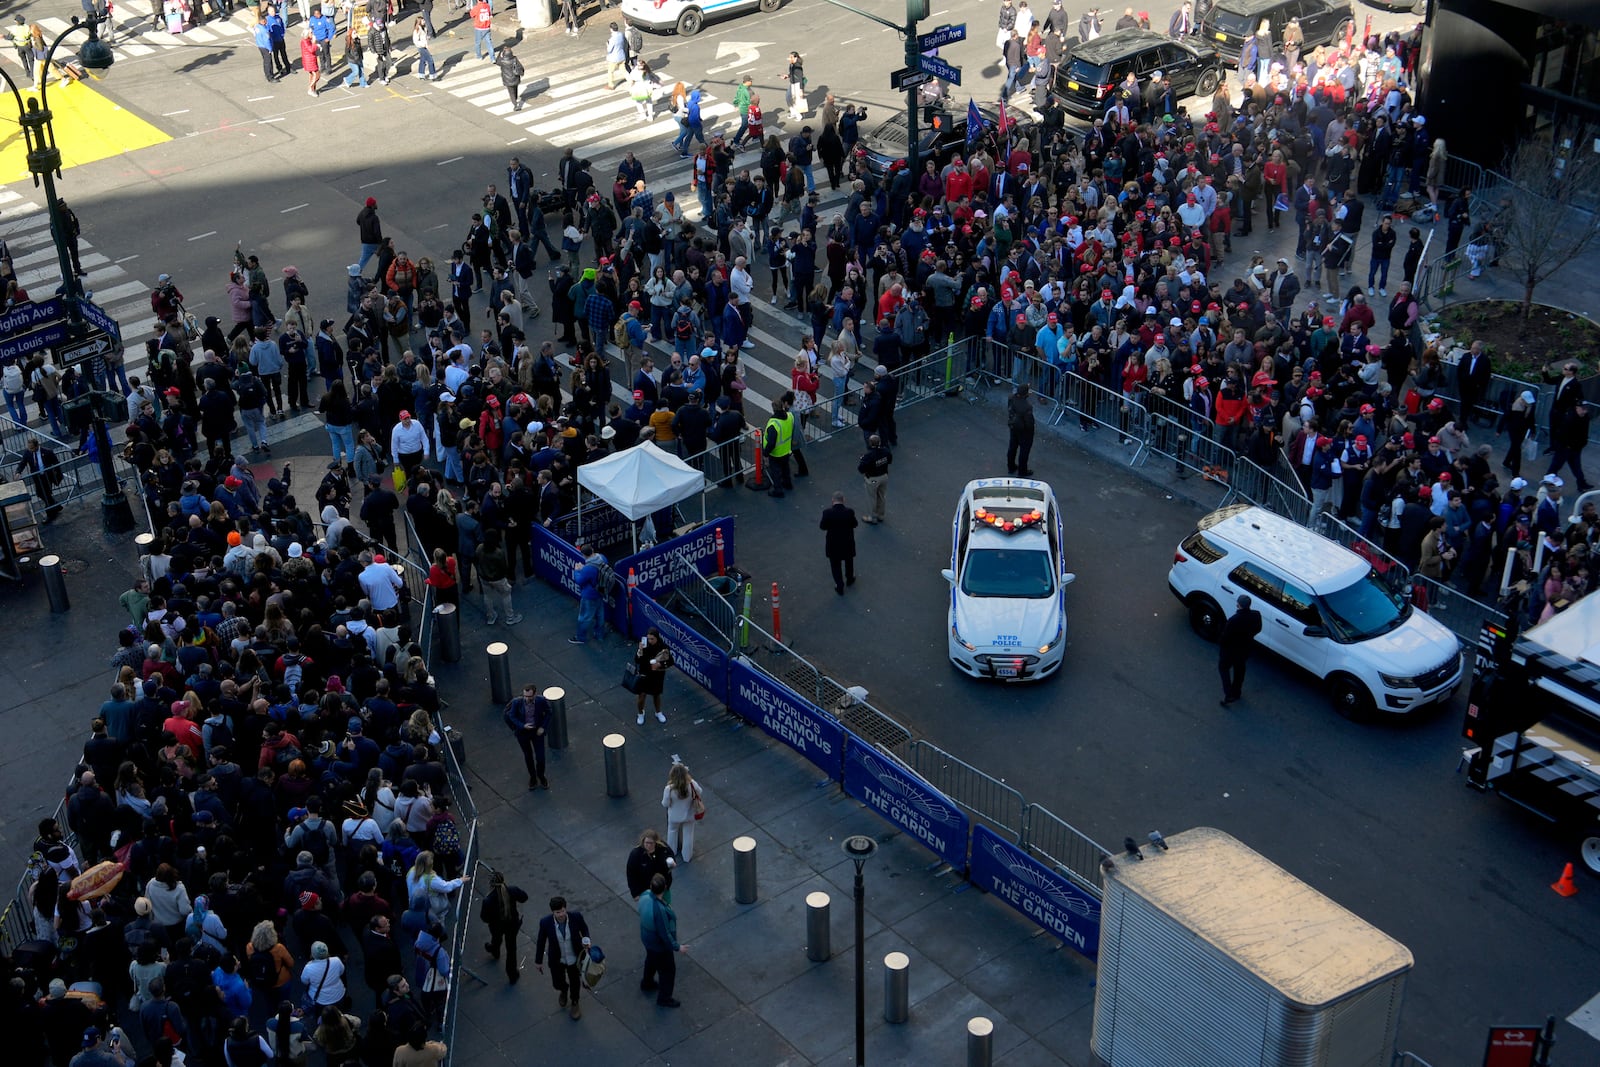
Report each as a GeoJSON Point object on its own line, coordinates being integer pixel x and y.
{"type": "Point", "coordinates": [640, 481]}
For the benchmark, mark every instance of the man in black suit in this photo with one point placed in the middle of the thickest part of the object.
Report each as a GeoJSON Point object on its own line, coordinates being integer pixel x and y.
{"type": "Point", "coordinates": [1472, 379]}
{"type": "Point", "coordinates": [839, 525]}
{"type": "Point", "coordinates": [40, 467]}
{"type": "Point", "coordinates": [1238, 638]}
{"type": "Point", "coordinates": [566, 936]}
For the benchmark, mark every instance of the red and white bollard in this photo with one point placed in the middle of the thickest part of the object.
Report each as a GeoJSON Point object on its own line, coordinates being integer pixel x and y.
{"type": "Point", "coordinates": [777, 617]}
{"type": "Point", "coordinates": [722, 566]}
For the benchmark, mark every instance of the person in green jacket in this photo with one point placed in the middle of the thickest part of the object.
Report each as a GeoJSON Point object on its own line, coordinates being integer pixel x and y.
{"type": "Point", "coordinates": [741, 101]}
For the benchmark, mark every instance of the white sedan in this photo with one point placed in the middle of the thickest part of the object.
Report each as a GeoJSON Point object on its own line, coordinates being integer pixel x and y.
{"type": "Point", "coordinates": [1008, 615]}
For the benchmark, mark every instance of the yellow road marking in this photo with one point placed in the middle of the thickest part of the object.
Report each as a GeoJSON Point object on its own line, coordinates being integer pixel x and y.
{"type": "Point", "coordinates": [88, 127]}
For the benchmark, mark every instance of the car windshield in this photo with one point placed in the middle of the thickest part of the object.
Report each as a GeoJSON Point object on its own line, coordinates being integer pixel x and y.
{"type": "Point", "coordinates": [1008, 572]}
{"type": "Point", "coordinates": [1231, 22]}
{"type": "Point", "coordinates": [1365, 609]}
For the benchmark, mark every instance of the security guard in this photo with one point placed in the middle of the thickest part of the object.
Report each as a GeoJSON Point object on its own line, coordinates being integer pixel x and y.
{"type": "Point", "coordinates": [777, 441]}
{"type": "Point", "coordinates": [874, 467]}
{"type": "Point", "coordinates": [22, 41]}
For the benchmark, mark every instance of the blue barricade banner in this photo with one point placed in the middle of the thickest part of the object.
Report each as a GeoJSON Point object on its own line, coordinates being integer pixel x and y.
{"type": "Point", "coordinates": [664, 566]}
{"type": "Point", "coordinates": [702, 661]}
{"type": "Point", "coordinates": [906, 800]}
{"type": "Point", "coordinates": [599, 527]}
{"type": "Point", "coordinates": [554, 560]}
{"type": "Point", "coordinates": [787, 716]}
{"type": "Point", "coordinates": [1042, 893]}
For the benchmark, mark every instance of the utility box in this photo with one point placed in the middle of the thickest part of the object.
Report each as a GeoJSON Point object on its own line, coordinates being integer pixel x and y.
{"type": "Point", "coordinates": [1211, 955]}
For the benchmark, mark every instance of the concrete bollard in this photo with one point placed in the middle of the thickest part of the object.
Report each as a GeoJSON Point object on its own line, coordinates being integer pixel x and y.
{"type": "Point", "coordinates": [896, 987]}
{"type": "Point", "coordinates": [980, 1042]}
{"type": "Point", "coordinates": [819, 936]}
{"type": "Point", "coordinates": [447, 632]}
{"type": "Point", "coordinates": [55, 585]}
{"type": "Point", "coordinates": [499, 672]}
{"type": "Point", "coordinates": [556, 732]}
{"type": "Point", "coordinates": [616, 765]}
{"type": "Point", "coordinates": [744, 870]}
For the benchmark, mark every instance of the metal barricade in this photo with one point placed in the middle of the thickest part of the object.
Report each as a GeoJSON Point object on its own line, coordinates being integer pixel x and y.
{"type": "Point", "coordinates": [696, 598]}
{"type": "Point", "coordinates": [1048, 836]}
{"type": "Point", "coordinates": [79, 474]}
{"type": "Point", "coordinates": [1192, 442]}
{"type": "Point", "coordinates": [983, 795]}
{"type": "Point", "coordinates": [1254, 483]}
{"type": "Point", "coordinates": [1408, 1059]}
{"type": "Point", "coordinates": [1463, 615]}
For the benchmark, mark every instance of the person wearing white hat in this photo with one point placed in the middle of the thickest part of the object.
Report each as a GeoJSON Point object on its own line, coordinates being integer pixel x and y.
{"type": "Point", "coordinates": [1519, 426]}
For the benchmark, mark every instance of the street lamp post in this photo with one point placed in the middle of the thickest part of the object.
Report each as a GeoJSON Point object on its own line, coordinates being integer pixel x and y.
{"type": "Point", "coordinates": [860, 847]}
{"type": "Point", "coordinates": [44, 163]}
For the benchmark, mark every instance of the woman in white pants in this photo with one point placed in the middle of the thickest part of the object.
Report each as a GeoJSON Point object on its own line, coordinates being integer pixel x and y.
{"type": "Point", "coordinates": [679, 797]}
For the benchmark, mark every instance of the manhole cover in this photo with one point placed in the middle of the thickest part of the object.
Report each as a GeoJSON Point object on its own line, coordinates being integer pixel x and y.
{"type": "Point", "coordinates": [73, 565]}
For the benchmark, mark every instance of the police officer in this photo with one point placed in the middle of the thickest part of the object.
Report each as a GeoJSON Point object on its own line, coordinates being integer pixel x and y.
{"type": "Point", "coordinates": [1233, 648]}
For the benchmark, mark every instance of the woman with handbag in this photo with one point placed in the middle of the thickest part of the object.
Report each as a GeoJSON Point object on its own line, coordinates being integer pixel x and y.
{"type": "Point", "coordinates": [681, 798]}
{"type": "Point", "coordinates": [323, 979]}
{"type": "Point", "coordinates": [649, 672]}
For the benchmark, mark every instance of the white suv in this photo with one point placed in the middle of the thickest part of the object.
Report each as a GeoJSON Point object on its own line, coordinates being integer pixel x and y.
{"type": "Point", "coordinates": [1322, 607]}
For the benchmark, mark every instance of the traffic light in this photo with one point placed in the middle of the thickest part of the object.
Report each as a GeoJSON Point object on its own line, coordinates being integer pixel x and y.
{"type": "Point", "coordinates": [917, 10]}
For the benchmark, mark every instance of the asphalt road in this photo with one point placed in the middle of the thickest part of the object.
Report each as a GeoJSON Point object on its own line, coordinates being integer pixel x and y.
{"type": "Point", "coordinates": [1129, 737]}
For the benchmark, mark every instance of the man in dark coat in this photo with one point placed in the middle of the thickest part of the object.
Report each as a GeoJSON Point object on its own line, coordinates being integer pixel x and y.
{"type": "Point", "coordinates": [1233, 648]}
{"type": "Point", "coordinates": [380, 956]}
{"type": "Point", "coordinates": [564, 937]}
{"type": "Point", "coordinates": [839, 525]}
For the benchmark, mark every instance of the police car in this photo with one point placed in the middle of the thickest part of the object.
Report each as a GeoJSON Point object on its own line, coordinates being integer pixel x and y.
{"type": "Point", "coordinates": [687, 17]}
{"type": "Point", "coordinates": [1008, 615]}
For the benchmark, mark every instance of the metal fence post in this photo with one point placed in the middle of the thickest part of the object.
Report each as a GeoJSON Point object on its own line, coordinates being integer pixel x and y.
{"type": "Point", "coordinates": [980, 1042]}
{"type": "Point", "coordinates": [499, 672]}
{"type": "Point", "coordinates": [744, 870]}
{"type": "Point", "coordinates": [616, 746]}
{"type": "Point", "coordinates": [447, 631]}
{"type": "Point", "coordinates": [55, 586]}
{"type": "Point", "coordinates": [896, 987]}
{"type": "Point", "coordinates": [819, 935]}
{"type": "Point", "coordinates": [556, 734]}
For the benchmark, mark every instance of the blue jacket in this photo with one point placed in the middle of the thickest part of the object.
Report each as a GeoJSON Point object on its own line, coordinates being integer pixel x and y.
{"type": "Point", "coordinates": [322, 28]}
{"type": "Point", "coordinates": [588, 579]}
{"type": "Point", "coordinates": [276, 28]}
{"type": "Point", "coordinates": [658, 924]}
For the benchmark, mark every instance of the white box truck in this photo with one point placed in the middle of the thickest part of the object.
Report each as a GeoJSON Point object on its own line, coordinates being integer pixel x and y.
{"type": "Point", "coordinates": [1211, 955]}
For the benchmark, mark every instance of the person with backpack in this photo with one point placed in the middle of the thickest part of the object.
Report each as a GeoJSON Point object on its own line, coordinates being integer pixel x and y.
{"type": "Point", "coordinates": [315, 835]}
{"type": "Point", "coordinates": [686, 328]}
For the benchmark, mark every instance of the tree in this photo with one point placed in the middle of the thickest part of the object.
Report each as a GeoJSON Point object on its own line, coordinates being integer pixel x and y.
{"type": "Point", "coordinates": [1550, 217]}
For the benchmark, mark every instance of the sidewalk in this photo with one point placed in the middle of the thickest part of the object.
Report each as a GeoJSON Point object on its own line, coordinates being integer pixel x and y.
{"type": "Point", "coordinates": [750, 994]}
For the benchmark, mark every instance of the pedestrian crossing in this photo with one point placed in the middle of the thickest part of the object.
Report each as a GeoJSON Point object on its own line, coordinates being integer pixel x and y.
{"type": "Point", "coordinates": [566, 103]}
{"type": "Point", "coordinates": [25, 229]}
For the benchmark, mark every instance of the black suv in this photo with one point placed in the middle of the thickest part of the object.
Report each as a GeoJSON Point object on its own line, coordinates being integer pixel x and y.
{"type": "Point", "coordinates": [1228, 22]}
{"type": "Point", "coordinates": [939, 137]}
{"type": "Point", "coordinates": [1085, 83]}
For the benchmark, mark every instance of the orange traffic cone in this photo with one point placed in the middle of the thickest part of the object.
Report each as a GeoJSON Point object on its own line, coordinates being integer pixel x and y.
{"type": "Point", "coordinates": [1566, 887]}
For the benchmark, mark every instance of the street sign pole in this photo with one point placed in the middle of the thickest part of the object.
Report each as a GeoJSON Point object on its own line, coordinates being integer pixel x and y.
{"type": "Point", "coordinates": [915, 10]}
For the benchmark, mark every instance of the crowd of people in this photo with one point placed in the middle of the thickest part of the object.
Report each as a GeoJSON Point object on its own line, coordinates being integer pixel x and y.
{"type": "Point", "coordinates": [265, 856]}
